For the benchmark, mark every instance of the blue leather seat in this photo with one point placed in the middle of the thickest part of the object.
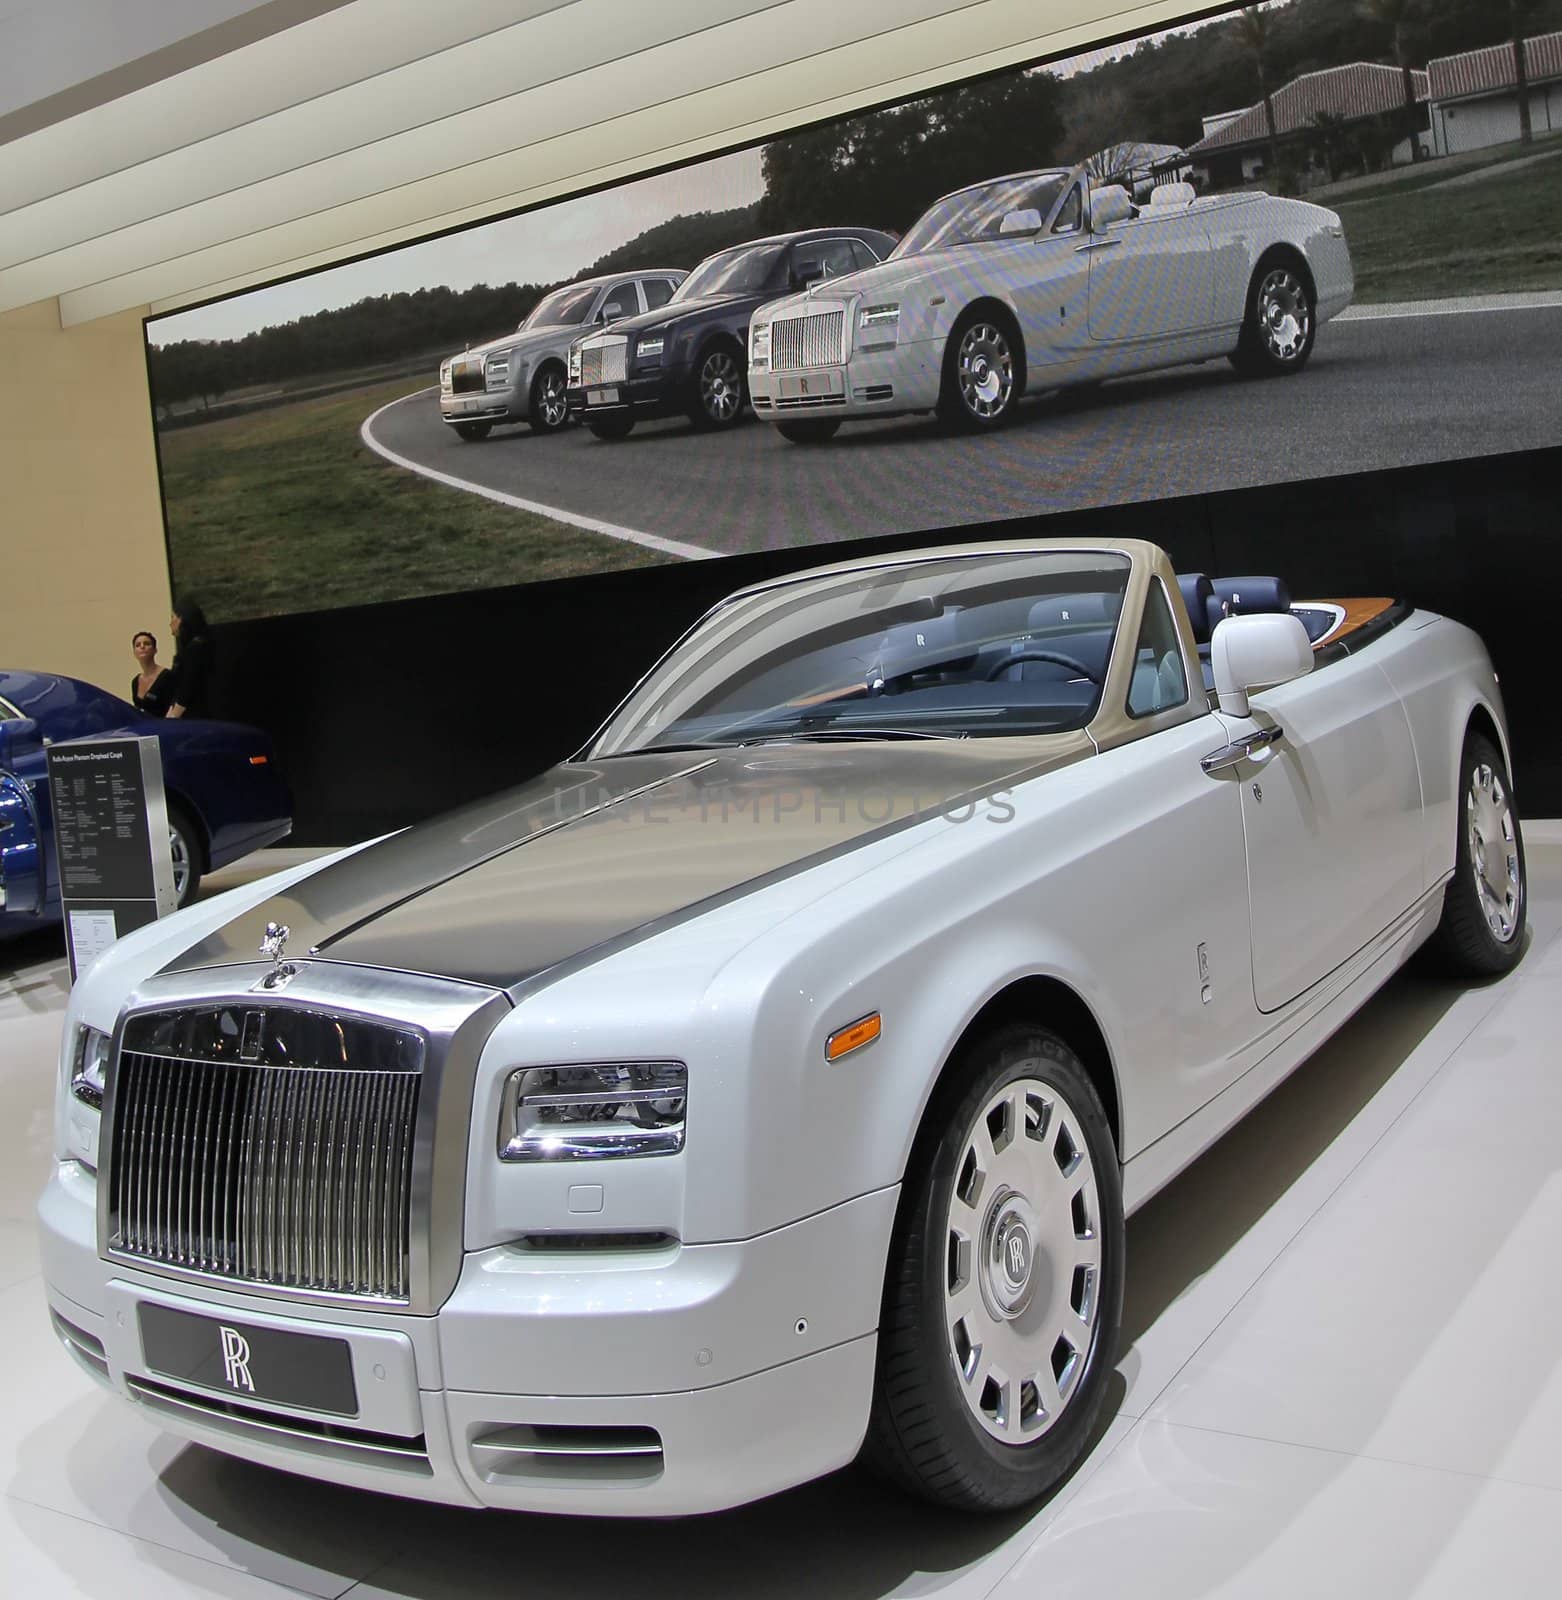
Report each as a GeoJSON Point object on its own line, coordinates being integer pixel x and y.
{"type": "Point", "coordinates": [1246, 597]}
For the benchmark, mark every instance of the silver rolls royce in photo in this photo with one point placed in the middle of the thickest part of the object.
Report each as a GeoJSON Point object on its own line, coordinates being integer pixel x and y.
{"type": "Point", "coordinates": [1043, 279]}
{"type": "Point", "coordinates": [768, 1084]}
{"type": "Point", "coordinates": [521, 377]}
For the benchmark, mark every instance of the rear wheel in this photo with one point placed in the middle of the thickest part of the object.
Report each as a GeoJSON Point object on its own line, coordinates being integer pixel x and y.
{"type": "Point", "coordinates": [548, 408]}
{"type": "Point", "coordinates": [1005, 1283]}
{"type": "Point", "coordinates": [1281, 324]}
{"type": "Point", "coordinates": [1481, 934]}
{"type": "Point", "coordinates": [719, 391]}
{"type": "Point", "coordinates": [810, 430]}
{"type": "Point", "coordinates": [612, 427]}
{"type": "Point", "coordinates": [984, 373]}
{"type": "Point", "coordinates": [473, 431]}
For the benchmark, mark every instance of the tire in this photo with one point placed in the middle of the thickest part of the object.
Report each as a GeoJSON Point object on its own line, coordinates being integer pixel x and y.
{"type": "Point", "coordinates": [1481, 934]}
{"type": "Point", "coordinates": [1281, 324]}
{"type": "Point", "coordinates": [942, 1425]}
{"type": "Point", "coordinates": [810, 430]}
{"type": "Point", "coordinates": [719, 388]}
{"type": "Point", "coordinates": [474, 431]}
{"type": "Point", "coordinates": [984, 373]}
{"type": "Point", "coordinates": [547, 407]}
{"type": "Point", "coordinates": [185, 840]}
{"type": "Point", "coordinates": [612, 427]}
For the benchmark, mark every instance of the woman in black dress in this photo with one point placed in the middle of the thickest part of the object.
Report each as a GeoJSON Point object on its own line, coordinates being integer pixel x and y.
{"type": "Point", "coordinates": [192, 662]}
{"type": "Point", "coordinates": [152, 688]}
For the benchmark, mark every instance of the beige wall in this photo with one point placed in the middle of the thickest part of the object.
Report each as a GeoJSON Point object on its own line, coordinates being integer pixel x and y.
{"type": "Point", "coordinates": [81, 527]}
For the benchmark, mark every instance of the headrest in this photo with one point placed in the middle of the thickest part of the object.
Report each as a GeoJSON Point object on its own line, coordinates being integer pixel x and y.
{"type": "Point", "coordinates": [1086, 610]}
{"type": "Point", "coordinates": [1249, 596]}
{"type": "Point", "coordinates": [1197, 594]}
{"type": "Point", "coordinates": [1173, 194]}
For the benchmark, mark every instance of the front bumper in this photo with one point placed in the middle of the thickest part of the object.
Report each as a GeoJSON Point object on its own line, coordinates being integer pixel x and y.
{"type": "Point", "coordinates": [660, 392]}
{"type": "Point", "coordinates": [667, 1382]}
{"type": "Point", "coordinates": [496, 405]}
{"type": "Point", "coordinates": [873, 383]}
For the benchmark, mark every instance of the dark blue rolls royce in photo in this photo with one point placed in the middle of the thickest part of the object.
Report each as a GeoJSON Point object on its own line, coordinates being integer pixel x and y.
{"type": "Point", "coordinates": [225, 794]}
{"type": "Point", "coordinates": [690, 356]}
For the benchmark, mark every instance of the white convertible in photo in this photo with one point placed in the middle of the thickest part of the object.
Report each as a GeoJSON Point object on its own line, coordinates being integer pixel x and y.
{"type": "Point", "coordinates": [1041, 280]}
{"type": "Point", "coordinates": [767, 1085]}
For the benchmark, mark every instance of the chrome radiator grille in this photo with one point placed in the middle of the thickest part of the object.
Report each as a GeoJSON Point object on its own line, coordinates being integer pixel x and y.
{"type": "Point", "coordinates": [603, 363]}
{"type": "Point", "coordinates": [267, 1147]}
{"type": "Point", "coordinates": [811, 341]}
{"type": "Point", "coordinates": [466, 377]}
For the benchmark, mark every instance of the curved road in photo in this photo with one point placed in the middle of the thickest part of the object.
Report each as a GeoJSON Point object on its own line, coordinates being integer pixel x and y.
{"type": "Point", "coordinates": [1386, 387]}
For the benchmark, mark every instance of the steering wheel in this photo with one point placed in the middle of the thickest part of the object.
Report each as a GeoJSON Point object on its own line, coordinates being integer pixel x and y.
{"type": "Point", "coordinates": [1056, 657]}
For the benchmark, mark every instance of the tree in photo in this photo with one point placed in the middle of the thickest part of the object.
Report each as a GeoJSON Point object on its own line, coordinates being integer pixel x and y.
{"type": "Point", "coordinates": [1397, 16]}
{"type": "Point", "coordinates": [1253, 28]}
{"type": "Point", "coordinates": [1518, 18]}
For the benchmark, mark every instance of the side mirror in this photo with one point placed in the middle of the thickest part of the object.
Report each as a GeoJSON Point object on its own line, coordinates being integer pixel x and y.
{"type": "Point", "coordinates": [1257, 652]}
{"type": "Point", "coordinates": [812, 273]}
{"type": "Point", "coordinates": [1110, 206]}
{"type": "Point", "coordinates": [1026, 221]}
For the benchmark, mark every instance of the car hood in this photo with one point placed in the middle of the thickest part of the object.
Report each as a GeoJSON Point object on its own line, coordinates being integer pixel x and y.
{"type": "Point", "coordinates": [593, 855]}
{"type": "Point", "coordinates": [555, 334]}
{"type": "Point", "coordinates": [930, 272]}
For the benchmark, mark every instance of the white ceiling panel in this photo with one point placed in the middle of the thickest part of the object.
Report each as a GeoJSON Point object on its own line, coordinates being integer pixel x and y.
{"type": "Point", "coordinates": [391, 140]}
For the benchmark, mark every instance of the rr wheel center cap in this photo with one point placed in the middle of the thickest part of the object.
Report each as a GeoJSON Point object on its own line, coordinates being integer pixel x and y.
{"type": "Point", "coordinates": [1011, 1266]}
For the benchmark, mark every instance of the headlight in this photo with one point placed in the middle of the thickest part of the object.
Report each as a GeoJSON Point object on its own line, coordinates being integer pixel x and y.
{"type": "Point", "coordinates": [496, 370]}
{"type": "Point", "coordinates": [589, 1112]}
{"type": "Point", "coordinates": [759, 344]}
{"type": "Point", "coordinates": [88, 1067]}
{"type": "Point", "coordinates": [574, 366]}
{"type": "Point", "coordinates": [444, 374]}
{"type": "Point", "coordinates": [878, 325]}
{"type": "Point", "coordinates": [650, 347]}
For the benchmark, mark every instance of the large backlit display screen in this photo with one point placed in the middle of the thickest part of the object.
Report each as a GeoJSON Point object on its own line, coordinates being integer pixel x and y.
{"type": "Point", "coordinates": [1297, 240]}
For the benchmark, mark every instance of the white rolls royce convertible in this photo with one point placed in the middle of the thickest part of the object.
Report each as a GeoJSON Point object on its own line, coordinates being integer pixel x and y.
{"type": "Point", "coordinates": [768, 1084]}
{"type": "Point", "coordinates": [1042, 280]}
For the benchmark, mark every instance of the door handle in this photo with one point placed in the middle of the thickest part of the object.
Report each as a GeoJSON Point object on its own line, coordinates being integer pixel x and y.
{"type": "Point", "coordinates": [1096, 244]}
{"type": "Point", "coordinates": [1248, 748]}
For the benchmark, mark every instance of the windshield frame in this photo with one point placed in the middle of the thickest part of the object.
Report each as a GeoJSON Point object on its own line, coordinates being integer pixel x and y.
{"type": "Point", "coordinates": [588, 293]}
{"type": "Point", "coordinates": [734, 254]}
{"type": "Point", "coordinates": [964, 200]}
{"type": "Point", "coordinates": [638, 726]}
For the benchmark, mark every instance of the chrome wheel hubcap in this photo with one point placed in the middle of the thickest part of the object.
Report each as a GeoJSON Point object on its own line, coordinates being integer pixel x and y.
{"type": "Point", "coordinates": [986, 370]}
{"type": "Point", "coordinates": [1284, 315]}
{"type": "Point", "coordinates": [181, 863]}
{"type": "Point", "coordinates": [1494, 852]}
{"type": "Point", "coordinates": [1022, 1261]}
{"type": "Point", "coordinates": [720, 387]}
{"type": "Point", "coordinates": [552, 402]}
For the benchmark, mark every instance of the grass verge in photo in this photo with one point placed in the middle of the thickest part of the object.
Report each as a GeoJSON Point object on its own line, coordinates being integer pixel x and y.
{"type": "Point", "coordinates": [286, 510]}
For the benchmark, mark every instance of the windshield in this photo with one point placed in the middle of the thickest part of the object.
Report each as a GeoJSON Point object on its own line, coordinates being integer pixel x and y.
{"type": "Point", "coordinates": [745, 269]}
{"type": "Point", "coordinates": [968, 646]}
{"type": "Point", "coordinates": [563, 308]}
{"type": "Point", "coordinates": [978, 213]}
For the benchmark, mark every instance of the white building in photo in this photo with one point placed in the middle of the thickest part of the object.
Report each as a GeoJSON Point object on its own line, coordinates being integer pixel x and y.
{"type": "Point", "coordinates": [1475, 101]}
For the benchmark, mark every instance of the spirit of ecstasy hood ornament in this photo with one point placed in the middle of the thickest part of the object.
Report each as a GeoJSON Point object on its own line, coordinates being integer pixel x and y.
{"type": "Point", "coordinates": [272, 946]}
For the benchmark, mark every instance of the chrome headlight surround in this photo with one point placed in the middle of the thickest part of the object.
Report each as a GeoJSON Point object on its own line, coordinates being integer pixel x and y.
{"type": "Point", "coordinates": [444, 374]}
{"type": "Point", "coordinates": [593, 1111]}
{"type": "Point", "coordinates": [759, 344]}
{"type": "Point", "coordinates": [89, 1066]}
{"type": "Point", "coordinates": [496, 369]}
{"type": "Point", "coordinates": [650, 347]}
{"type": "Point", "coordinates": [574, 365]}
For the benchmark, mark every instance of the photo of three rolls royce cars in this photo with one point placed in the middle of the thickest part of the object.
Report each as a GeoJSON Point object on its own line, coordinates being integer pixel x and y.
{"type": "Point", "coordinates": [1021, 284]}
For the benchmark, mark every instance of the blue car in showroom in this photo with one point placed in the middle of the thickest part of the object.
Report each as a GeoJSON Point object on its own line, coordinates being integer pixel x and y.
{"type": "Point", "coordinates": [225, 794]}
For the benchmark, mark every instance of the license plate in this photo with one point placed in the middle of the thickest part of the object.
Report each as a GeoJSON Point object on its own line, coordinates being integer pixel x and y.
{"type": "Point", "coordinates": [807, 385]}
{"type": "Point", "coordinates": [245, 1362]}
{"type": "Point", "coordinates": [602, 397]}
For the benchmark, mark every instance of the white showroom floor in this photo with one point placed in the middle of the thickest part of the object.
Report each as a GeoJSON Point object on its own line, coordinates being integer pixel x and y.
{"type": "Point", "coordinates": [1342, 1376]}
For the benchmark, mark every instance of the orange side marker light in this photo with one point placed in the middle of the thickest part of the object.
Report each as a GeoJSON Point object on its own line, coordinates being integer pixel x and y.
{"type": "Point", "coordinates": [864, 1031]}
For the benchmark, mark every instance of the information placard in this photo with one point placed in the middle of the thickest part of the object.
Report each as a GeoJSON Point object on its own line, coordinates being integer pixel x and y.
{"type": "Point", "coordinates": [111, 845]}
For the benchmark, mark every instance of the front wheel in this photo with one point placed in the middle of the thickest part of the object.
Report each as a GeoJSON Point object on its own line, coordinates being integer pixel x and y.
{"type": "Point", "coordinates": [1481, 934]}
{"type": "Point", "coordinates": [612, 427]}
{"type": "Point", "coordinates": [1281, 324]}
{"type": "Point", "coordinates": [473, 431]}
{"type": "Point", "coordinates": [983, 375]}
{"type": "Point", "coordinates": [186, 850]}
{"type": "Point", "coordinates": [548, 406]}
{"type": "Point", "coordinates": [1005, 1284]}
{"type": "Point", "coordinates": [719, 390]}
{"type": "Point", "coordinates": [810, 430]}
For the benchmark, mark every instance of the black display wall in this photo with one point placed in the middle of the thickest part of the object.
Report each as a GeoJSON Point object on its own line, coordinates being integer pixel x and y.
{"type": "Point", "coordinates": [386, 714]}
